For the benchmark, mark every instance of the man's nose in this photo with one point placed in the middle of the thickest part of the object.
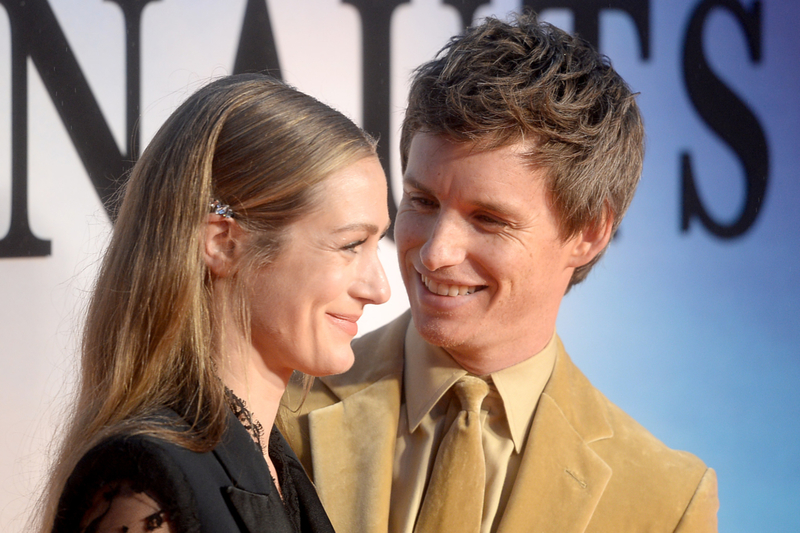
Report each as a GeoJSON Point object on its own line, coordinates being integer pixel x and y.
{"type": "Point", "coordinates": [446, 244]}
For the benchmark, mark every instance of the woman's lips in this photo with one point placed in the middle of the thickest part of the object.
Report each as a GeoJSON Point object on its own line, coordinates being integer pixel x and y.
{"type": "Point", "coordinates": [347, 323]}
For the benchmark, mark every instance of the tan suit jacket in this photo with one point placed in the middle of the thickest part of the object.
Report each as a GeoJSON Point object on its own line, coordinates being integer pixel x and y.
{"type": "Point", "coordinates": [587, 467]}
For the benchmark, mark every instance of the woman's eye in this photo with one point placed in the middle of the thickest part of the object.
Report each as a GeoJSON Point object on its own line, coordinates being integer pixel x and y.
{"type": "Point", "coordinates": [353, 246]}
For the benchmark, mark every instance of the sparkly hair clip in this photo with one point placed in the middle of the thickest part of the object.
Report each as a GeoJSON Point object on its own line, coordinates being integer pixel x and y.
{"type": "Point", "coordinates": [221, 209]}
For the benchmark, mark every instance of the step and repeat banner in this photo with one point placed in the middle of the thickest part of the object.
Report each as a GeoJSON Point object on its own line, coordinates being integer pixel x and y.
{"type": "Point", "coordinates": [691, 323]}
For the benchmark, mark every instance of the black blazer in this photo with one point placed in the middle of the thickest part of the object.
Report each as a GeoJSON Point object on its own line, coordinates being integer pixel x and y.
{"type": "Point", "coordinates": [227, 490]}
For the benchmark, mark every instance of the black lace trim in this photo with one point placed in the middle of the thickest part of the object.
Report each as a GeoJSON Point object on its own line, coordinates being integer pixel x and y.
{"type": "Point", "coordinates": [276, 451]}
{"type": "Point", "coordinates": [243, 414]}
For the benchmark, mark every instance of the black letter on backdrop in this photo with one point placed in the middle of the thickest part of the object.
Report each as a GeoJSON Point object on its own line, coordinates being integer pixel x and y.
{"type": "Point", "coordinates": [728, 116]}
{"type": "Point", "coordinates": [587, 16]}
{"type": "Point", "coordinates": [257, 51]}
{"type": "Point", "coordinates": [376, 25]}
{"type": "Point", "coordinates": [35, 32]}
{"type": "Point", "coordinates": [132, 13]}
{"type": "Point", "coordinates": [466, 9]}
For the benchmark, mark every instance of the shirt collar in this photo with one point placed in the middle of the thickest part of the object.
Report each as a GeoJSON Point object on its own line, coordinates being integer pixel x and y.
{"type": "Point", "coordinates": [520, 386]}
{"type": "Point", "coordinates": [430, 372]}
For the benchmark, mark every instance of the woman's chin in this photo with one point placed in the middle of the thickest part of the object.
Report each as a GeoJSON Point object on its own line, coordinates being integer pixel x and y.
{"type": "Point", "coordinates": [335, 363]}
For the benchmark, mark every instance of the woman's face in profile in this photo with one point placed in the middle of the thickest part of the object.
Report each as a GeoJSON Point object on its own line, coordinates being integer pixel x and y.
{"type": "Point", "coordinates": [306, 303]}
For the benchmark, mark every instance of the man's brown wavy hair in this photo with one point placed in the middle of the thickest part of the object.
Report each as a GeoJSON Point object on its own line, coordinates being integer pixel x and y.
{"type": "Point", "coordinates": [502, 83]}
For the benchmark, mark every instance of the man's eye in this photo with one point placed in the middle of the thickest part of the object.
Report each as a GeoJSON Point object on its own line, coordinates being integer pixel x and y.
{"type": "Point", "coordinates": [421, 201]}
{"type": "Point", "coordinates": [487, 220]}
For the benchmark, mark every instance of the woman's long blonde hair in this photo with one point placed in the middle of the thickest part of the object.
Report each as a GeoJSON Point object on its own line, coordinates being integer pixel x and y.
{"type": "Point", "coordinates": [149, 340]}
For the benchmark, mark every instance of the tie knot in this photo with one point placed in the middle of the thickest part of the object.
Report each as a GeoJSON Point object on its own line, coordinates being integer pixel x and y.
{"type": "Point", "coordinates": [471, 391]}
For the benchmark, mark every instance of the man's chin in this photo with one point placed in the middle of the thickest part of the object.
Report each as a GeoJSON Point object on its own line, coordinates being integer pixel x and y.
{"type": "Point", "coordinates": [439, 331]}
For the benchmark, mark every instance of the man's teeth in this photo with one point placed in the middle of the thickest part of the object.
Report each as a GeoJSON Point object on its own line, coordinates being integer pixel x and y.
{"type": "Point", "coordinates": [447, 290]}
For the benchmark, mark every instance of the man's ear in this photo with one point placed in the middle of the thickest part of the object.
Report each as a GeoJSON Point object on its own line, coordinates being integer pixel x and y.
{"type": "Point", "coordinates": [220, 246]}
{"type": "Point", "coordinates": [592, 240]}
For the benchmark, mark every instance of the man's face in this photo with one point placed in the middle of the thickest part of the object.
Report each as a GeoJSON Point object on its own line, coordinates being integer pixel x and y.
{"type": "Point", "coordinates": [480, 252]}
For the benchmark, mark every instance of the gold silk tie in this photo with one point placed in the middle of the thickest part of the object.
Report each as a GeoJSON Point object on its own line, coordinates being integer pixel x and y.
{"type": "Point", "coordinates": [454, 498]}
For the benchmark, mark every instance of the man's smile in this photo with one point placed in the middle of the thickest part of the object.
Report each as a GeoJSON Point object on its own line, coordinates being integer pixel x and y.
{"type": "Point", "coordinates": [443, 289]}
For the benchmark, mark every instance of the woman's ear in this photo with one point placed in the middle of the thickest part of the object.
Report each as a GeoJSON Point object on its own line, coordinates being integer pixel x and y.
{"type": "Point", "coordinates": [221, 244]}
{"type": "Point", "coordinates": [592, 240]}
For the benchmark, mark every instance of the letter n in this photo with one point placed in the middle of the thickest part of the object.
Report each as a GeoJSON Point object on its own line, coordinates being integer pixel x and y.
{"type": "Point", "coordinates": [35, 33]}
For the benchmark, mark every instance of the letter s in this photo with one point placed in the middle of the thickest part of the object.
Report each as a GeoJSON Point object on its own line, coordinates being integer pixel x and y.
{"type": "Point", "coordinates": [728, 116]}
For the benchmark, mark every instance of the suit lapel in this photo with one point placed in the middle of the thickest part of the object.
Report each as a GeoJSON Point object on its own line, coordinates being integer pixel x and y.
{"type": "Point", "coordinates": [252, 495]}
{"type": "Point", "coordinates": [258, 513]}
{"type": "Point", "coordinates": [561, 479]}
{"type": "Point", "coordinates": [352, 444]}
{"type": "Point", "coordinates": [238, 455]}
{"type": "Point", "coordinates": [353, 441]}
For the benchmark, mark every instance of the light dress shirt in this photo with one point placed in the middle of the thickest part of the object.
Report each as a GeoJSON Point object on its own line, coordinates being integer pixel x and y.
{"type": "Point", "coordinates": [506, 417]}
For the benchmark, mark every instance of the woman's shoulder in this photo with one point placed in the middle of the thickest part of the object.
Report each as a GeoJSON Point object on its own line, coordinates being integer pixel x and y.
{"type": "Point", "coordinates": [130, 468]}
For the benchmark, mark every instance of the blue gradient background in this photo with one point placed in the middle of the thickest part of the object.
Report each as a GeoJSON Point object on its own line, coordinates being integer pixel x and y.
{"type": "Point", "coordinates": [696, 337]}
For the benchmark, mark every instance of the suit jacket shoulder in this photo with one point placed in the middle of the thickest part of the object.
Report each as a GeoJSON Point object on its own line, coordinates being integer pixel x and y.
{"type": "Point", "coordinates": [651, 486]}
{"type": "Point", "coordinates": [146, 463]}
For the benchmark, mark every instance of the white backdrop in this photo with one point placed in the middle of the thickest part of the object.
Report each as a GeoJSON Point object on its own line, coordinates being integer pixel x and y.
{"type": "Point", "coordinates": [693, 335]}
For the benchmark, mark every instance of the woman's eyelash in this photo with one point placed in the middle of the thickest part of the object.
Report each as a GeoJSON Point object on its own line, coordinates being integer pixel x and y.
{"type": "Point", "coordinates": [351, 247]}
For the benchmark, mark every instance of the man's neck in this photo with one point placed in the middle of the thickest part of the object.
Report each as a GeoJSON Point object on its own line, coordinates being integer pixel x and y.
{"type": "Point", "coordinates": [484, 360]}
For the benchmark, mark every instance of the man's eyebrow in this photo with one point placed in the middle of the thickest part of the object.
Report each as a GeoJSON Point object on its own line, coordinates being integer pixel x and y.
{"type": "Point", "coordinates": [501, 210]}
{"type": "Point", "coordinates": [417, 185]}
